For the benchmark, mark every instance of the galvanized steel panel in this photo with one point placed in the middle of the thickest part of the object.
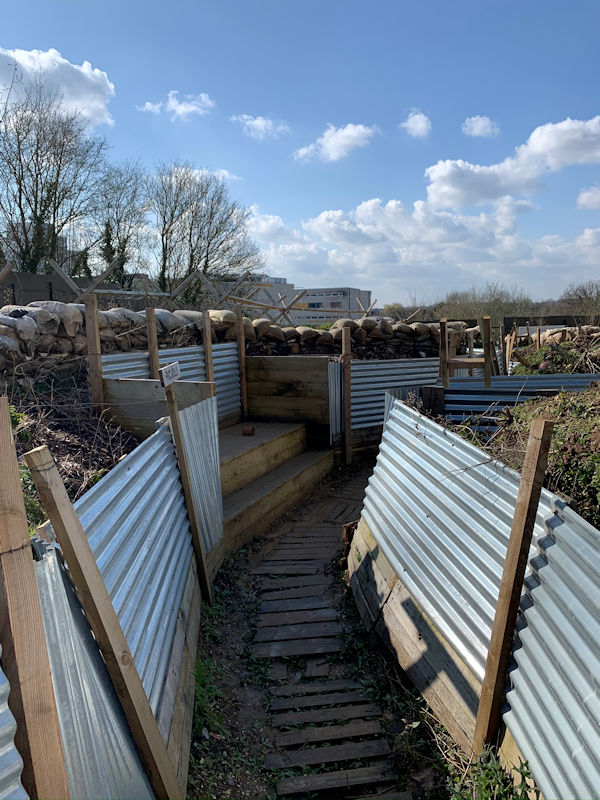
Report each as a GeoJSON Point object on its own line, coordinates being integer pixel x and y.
{"type": "Point", "coordinates": [200, 430]}
{"type": "Point", "coordinates": [101, 758]}
{"type": "Point", "coordinates": [126, 365]}
{"type": "Point", "coordinates": [226, 366]}
{"type": "Point", "coordinates": [11, 763]}
{"type": "Point", "coordinates": [136, 522]}
{"type": "Point", "coordinates": [336, 405]}
{"type": "Point", "coordinates": [370, 379]}
{"type": "Point", "coordinates": [191, 361]}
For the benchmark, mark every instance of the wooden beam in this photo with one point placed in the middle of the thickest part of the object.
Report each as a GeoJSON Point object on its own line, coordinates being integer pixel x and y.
{"type": "Point", "coordinates": [241, 338]}
{"type": "Point", "coordinates": [470, 344]}
{"type": "Point", "coordinates": [193, 276]}
{"type": "Point", "coordinates": [444, 353]}
{"type": "Point", "coordinates": [538, 338]}
{"type": "Point", "coordinates": [24, 650]}
{"type": "Point", "coordinates": [184, 471]}
{"type": "Point", "coordinates": [487, 352]}
{"type": "Point", "coordinates": [284, 313]}
{"type": "Point", "coordinates": [92, 332]}
{"type": "Point", "coordinates": [462, 363]}
{"type": "Point", "coordinates": [503, 346]}
{"type": "Point", "coordinates": [532, 478]}
{"type": "Point", "coordinates": [66, 277]}
{"type": "Point", "coordinates": [152, 343]}
{"type": "Point", "coordinates": [231, 289]}
{"type": "Point", "coordinates": [91, 287]}
{"type": "Point", "coordinates": [104, 623]}
{"type": "Point", "coordinates": [347, 393]}
{"type": "Point", "coordinates": [207, 342]}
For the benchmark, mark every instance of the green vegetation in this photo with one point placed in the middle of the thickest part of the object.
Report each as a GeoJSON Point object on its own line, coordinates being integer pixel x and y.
{"type": "Point", "coordinates": [487, 780]}
{"type": "Point", "coordinates": [206, 714]}
{"type": "Point", "coordinates": [493, 299]}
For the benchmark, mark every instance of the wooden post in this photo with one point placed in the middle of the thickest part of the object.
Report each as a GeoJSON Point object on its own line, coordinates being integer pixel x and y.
{"type": "Point", "coordinates": [24, 650]}
{"type": "Point", "coordinates": [207, 342]}
{"type": "Point", "coordinates": [529, 339]}
{"type": "Point", "coordinates": [184, 471]}
{"type": "Point", "coordinates": [487, 352]}
{"type": "Point", "coordinates": [503, 347]}
{"type": "Point", "coordinates": [532, 478]}
{"type": "Point", "coordinates": [241, 337]}
{"type": "Point", "coordinates": [452, 337]}
{"type": "Point", "coordinates": [444, 353]}
{"type": "Point", "coordinates": [470, 337]}
{"type": "Point", "coordinates": [92, 332]}
{"type": "Point", "coordinates": [538, 339]}
{"type": "Point", "coordinates": [104, 623]}
{"type": "Point", "coordinates": [347, 394]}
{"type": "Point", "coordinates": [152, 343]}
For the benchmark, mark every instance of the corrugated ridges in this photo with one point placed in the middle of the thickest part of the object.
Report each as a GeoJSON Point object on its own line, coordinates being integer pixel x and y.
{"type": "Point", "coordinates": [11, 763]}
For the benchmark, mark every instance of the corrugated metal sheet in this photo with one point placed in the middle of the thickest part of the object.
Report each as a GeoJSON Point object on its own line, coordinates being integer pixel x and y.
{"type": "Point", "coordinates": [200, 430]}
{"type": "Point", "coordinates": [191, 361]}
{"type": "Point", "coordinates": [554, 703]}
{"type": "Point", "coordinates": [370, 379]}
{"type": "Point", "coordinates": [101, 758]}
{"type": "Point", "coordinates": [226, 366]}
{"type": "Point", "coordinates": [336, 420]}
{"type": "Point", "coordinates": [442, 512]}
{"type": "Point", "coordinates": [11, 763]}
{"type": "Point", "coordinates": [126, 365]}
{"type": "Point", "coordinates": [136, 523]}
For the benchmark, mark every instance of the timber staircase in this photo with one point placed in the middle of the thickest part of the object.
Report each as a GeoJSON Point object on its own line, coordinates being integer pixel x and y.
{"type": "Point", "coordinates": [326, 735]}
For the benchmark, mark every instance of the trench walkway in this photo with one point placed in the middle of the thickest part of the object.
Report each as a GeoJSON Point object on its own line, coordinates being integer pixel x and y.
{"type": "Point", "coordinates": [321, 718]}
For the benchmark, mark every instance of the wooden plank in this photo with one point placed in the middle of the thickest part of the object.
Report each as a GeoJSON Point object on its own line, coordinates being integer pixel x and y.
{"type": "Point", "coordinates": [328, 733]}
{"type": "Point", "coordinates": [104, 623]}
{"type": "Point", "coordinates": [302, 554]}
{"type": "Point", "coordinates": [315, 700]}
{"type": "Point", "coordinates": [314, 715]}
{"type": "Point", "coordinates": [465, 363]}
{"type": "Point", "coordinates": [181, 736]}
{"type": "Point", "coordinates": [283, 568]}
{"type": "Point", "coordinates": [301, 365]}
{"type": "Point", "coordinates": [335, 780]}
{"type": "Point", "coordinates": [289, 583]}
{"type": "Point", "coordinates": [346, 359]}
{"type": "Point", "coordinates": [311, 409]}
{"type": "Point", "coordinates": [24, 651]}
{"type": "Point", "coordinates": [296, 592]}
{"type": "Point", "coordinates": [295, 604]}
{"type": "Point", "coordinates": [349, 751]}
{"type": "Point", "coordinates": [207, 343]}
{"type": "Point", "coordinates": [314, 687]}
{"type": "Point", "coordinates": [302, 630]}
{"type": "Point", "coordinates": [289, 388]}
{"type": "Point", "coordinates": [487, 352]}
{"type": "Point", "coordinates": [304, 647]}
{"type": "Point", "coordinates": [92, 332]}
{"type": "Point", "coordinates": [296, 617]}
{"type": "Point", "coordinates": [444, 353]}
{"type": "Point", "coordinates": [152, 343]}
{"type": "Point", "coordinates": [241, 339]}
{"type": "Point", "coordinates": [532, 478]}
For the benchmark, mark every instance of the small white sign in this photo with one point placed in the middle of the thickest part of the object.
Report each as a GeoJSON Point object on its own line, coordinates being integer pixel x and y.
{"type": "Point", "coordinates": [170, 373]}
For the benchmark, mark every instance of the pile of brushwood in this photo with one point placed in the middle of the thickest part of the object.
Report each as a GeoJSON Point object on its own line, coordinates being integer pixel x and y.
{"type": "Point", "coordinates": [582, 355]}
{"type": "Point", "coordinates": [573, 470]}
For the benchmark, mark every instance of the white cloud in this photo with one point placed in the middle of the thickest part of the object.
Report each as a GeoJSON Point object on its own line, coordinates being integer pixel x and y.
{"type": "Point", "coordinates": [417, 124]}
{"type": "Point", "coordinates": [84, 88]}
{"type": "Point", "coordinates": [480, 126]}
{"type": "Point", "coordinates": [337, 143]}
{"type": "Point", "coordinates": [180, 107]}
{"type": "Point", "coordinates": [269, 228]}
{"type": "Point", "coordinates": [260, 127]}
{"type": "Point", "coordinates": [550, 147]}
{"type": "Point", "coordinates": [226, 175]}
{"type": "Point", "coordinates": [589, 198]}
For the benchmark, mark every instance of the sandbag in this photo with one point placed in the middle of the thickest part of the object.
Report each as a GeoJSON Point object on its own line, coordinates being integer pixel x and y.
{"type": "Point", "coordinates": [290, 333]}
{"type": "Point", "coordinates": [10, 350]}
{"type": "Point", "coordinates": [25, 327]}
{"type": "Point", "coordinates": [249, 332]}
{"type": "Point", "coordinates": [70, 316]}
{"type": "Point", "coordinates": [261, 326]}
{"type": "Point", "coordinates": [275, 333]}
{"type": "Point", "coordinates": [193, 316]}
{"type": "Point", "coordinates": [360, 335]}
{"type": "Point", "coordinates": [222, 317]}
{"type": "Point", "coordinates": [45, 320]}
{"type": "Point", "coordinates": [421, 329]}
{"type": "Point", "coordinates": [128, 319]}
{"type": "Point", "coordinates": [403, 329]}
{"type": "Point", "coordinates": [326, 338]}
{"type": "Point", "coordinates": [231, 334]}
{"type": "Point", "coordinates": [307, 334]}
{"type": "Point", "coordinates": [367, 323]}
{"type": "Point", "coordinates": [345, 323]}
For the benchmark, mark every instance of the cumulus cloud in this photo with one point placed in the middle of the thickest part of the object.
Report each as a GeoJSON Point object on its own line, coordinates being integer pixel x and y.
{"type": "Point", "coordinates": [269, 228]}
{"type": "Point", "coordinates": [417, 124]}
{"type": "Point", "coordinates": [180, 107]}
{"type": "Point", "coordinates": [337, 143]}
{"type": "Point", "coordinates": [550, 147]}
{"type": "Point", "coordinates": [480, 126]}
{"type": "Point", "coordinates": [84, 88]}
{"type": "Point", "coordinates": [589, 198]}
{"type": "Point", "coordinates": [260, 127]}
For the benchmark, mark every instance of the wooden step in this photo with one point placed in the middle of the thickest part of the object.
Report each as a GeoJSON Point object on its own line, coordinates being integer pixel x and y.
{"type": "Point", "coordinates": [325, 781]}
{"type": "Point", "coordinates": [303, 647]}
{"type": "Point", "coordinates": [316, 687]}
{"type": "Point", "coordinates": [314, 715]}
{"type": "Point", "coordinates": [314, 700]}
{"type": "Point", "coordinates": [293, 604]}
{"type": "Point", "coordinates": [350, 751]}
{"type": "Point", "coordinates": [296, 592]}
{"type": "Point", "coordinates": [288, 583]}
{"type": "Point", "coordinates": [328, 733]}
{"type": "Point", "coordinates": [303, 630]}
{"type": "Point", "coordinates": [273, 444]}
{"type": "Point", "coordinates": [250, 510]}
{"type": "Point", "coordinates": [297, 617]}
{"type": "Point", "coordinates": [287, 568]}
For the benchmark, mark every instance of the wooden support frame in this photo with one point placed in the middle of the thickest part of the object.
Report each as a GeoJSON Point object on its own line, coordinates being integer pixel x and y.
{"type": "Point", "coordinates": [471, 348]}
{"type": "Point", "coordinates": [207, 342]}
{"type": "Point", "coordinates": [24, 650]}
{"type": "Point", "coordinates": [104, 623]}
{"type": "Point", "coordinates": [184, 471]}
{"type": "Point", "coordinates": [346, 360]}
{"type": "Point", "coordinates": [91, 287]}
{"type": "Point", "coordinates": [286, 308]}
{"type": "Point", "coordinates": [444, 353]}
{"type": "Point", "coordinates": [366, 311]}
{"type": "Point", "coordinates": [92, 332]}
{"type": "Point", "coordinates": [487, 352]}
{"type": "Point", "coordinates": [532, 478]}
{"type": "Point", "coordinates": [241, 338]}
{"type": "Point", "coordinates": [538, 338]}
{"type": "Point", "coordinates": [152, 343]}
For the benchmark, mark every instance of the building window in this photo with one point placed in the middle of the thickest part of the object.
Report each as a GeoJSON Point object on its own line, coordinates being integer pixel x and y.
{"type": "Point", "coordinates": [315, 305]}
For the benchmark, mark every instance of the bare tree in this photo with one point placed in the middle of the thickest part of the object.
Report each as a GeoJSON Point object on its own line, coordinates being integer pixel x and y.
{"type": "Point", "coordinates": [50, 169]}
{"type": "Point", "coordinates": [583, 299]}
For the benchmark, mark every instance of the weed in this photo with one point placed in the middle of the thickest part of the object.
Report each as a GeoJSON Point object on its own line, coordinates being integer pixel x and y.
{"type": "Point", "coordinates": [207, 693]}
{"type": "Point", "coordinates": [487, 780]}
{"type": "Point", "coordinates": [33, 506]}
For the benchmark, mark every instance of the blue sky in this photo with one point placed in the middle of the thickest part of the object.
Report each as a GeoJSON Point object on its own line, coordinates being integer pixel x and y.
{"type": "Point", "coordinates": [407, 148]}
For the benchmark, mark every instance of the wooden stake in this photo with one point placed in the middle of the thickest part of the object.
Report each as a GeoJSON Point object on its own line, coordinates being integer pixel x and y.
{"type": "Point", "coordinates": [347, 394]}
{"type": "Point", "coordinates": [444, 353]}
{"type": "Point", "coordinates": [503, 346]}
{"type": "Point", "coordinates": [532, 478]}
{"type": "Point", "coordinates": [92, 332]}
{"type": "Point", "coordinates": [24, 650]}
{"type": "Point", "coordinates": [241, 337]}
{"type": "Point", "coordinates": [104, 623]}
{"type": "Point", "coordinates": [184, 471]}
{"type": "Point", "coordinates": [452, 337]}
{"type": "Point", "coordinates": [487, 352]}
{"type": "Point", "coordinates": [471, 347]}
{"type": "Point", "coordinates": [207, 342]}
{"type": "Point", "coordinates": [152, 343]}
{"type": "Point", "coordinates": [538, 339]}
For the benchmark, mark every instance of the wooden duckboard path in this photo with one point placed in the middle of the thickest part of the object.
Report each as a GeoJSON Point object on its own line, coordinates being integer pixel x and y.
{"type": "Point", "coordinates": [318, 720]}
